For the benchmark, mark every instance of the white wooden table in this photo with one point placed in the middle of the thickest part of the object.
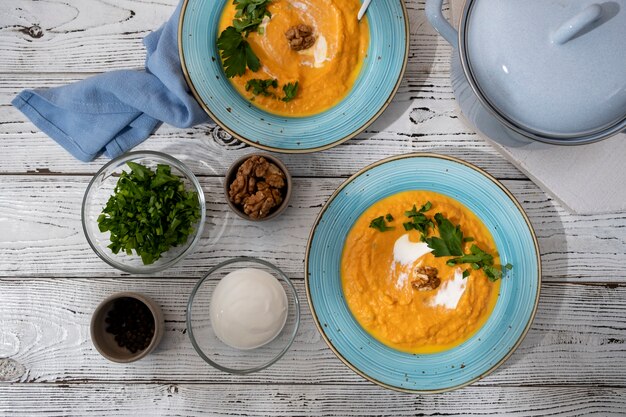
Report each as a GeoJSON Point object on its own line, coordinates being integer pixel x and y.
{"type": "Point", "coordinates": [572, 361]}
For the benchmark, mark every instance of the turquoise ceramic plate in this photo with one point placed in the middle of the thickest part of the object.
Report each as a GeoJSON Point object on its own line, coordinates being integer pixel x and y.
{"type": "Point", "coordinates": [517, 301]}
{"type": "Point", "coordinates": [372, 92]}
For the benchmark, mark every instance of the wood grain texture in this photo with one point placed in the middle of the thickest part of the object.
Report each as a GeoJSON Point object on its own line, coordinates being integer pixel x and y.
{"type": "Point", "coordinates": [570, 364]}
{"type": "Point", "coordinates": [119, 400]}
{"type": "Point", "coordinates": [420, 119]}
{"type": "Point", "coordinates": [98, 35]}
{"type": "Point", "coordinates": [41, 232]}
{"type": "Point", "coordinates": [44, 327]}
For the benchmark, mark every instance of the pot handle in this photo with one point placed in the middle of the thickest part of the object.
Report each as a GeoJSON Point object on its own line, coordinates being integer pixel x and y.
{"type": "Point", "coordinates": [441, 25]}
{"type": "Point", "coordinates": [577, 24]}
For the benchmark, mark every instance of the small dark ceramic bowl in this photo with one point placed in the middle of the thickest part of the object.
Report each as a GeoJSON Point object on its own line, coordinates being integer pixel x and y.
{"type": "Point", "coordinates": [105, 343]}
{"type": "Point", "coordinates": [232, 173]}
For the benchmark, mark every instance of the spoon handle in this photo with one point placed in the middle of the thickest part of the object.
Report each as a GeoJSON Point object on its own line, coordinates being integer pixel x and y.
{"type": "Point", "coordinates": [363, 8]}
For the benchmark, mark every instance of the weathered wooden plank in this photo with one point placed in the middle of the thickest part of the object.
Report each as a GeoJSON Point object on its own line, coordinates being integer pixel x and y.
{"type": "Point", "coordinates": [41, 233]}
{"type": "Point", "coordinates": [97, 35]}
{"type": "Point", "coordinates": [84, 35]}
{"type": "Point", "coordinates": [578, 337]}
{"type": "Point", "coordinates": [420, 119]}
{"type": "Point", "coordinates": [288, 400]}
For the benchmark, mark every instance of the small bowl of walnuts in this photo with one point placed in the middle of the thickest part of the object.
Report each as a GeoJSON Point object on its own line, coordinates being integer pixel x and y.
{"type": "Point", "coordinates": [258, 187]}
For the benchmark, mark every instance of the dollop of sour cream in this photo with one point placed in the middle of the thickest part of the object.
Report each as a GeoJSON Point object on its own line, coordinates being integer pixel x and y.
{"type": "Point", "coordinates": [406, 253]}
{"type": "Point", "coordinates": [248, 308]}
{"type": "Point", "coordinates": [450, 292]}
{"type": "Point", "coordinates": [319, 52]}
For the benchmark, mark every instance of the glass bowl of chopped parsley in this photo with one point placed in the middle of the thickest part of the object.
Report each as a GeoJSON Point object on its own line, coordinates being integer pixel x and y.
{"type": "Point", "coordinates": [143, 212]}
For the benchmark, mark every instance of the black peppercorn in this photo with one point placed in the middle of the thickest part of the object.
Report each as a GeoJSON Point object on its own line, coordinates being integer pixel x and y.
{"type": "Point", "coordinates": [132, 323]}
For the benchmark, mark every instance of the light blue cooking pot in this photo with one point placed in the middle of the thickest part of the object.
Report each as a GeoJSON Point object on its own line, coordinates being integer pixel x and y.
{"type": "Point", "coordinates": [547, 70]}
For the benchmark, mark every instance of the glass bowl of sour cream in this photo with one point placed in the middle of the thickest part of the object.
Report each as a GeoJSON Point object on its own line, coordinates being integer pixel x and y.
{"type": "Point", "coordinates": [243, 315]}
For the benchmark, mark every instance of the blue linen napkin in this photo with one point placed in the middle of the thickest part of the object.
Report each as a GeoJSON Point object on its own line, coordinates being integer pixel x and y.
{"type": "Point", "coordinates": [113, 112]}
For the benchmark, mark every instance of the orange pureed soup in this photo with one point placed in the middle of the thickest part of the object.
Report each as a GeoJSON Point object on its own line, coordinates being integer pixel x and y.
{"type": "Point", "coordinates": [325, 72]}
{"type": "Point", "coordinates": [379, 277]}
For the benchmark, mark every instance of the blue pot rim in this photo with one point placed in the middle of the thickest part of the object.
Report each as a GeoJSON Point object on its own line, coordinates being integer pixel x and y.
{"type": "Point", "coordinates": [584, 139]}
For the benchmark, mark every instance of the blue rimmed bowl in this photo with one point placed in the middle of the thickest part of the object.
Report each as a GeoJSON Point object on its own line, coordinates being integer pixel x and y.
{"type": "Point", "coordinates": [519, 291]}
{"type": "Point", "coordinates": [373, 90]}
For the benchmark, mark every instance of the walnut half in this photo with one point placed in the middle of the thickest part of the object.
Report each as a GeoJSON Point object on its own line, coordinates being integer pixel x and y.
{"type": "Point", "coordinates": [425, 278]}
{"type": "Point", "coordinates": [300, 37]}
{"type": "Point", "coordinates": [259, 204]}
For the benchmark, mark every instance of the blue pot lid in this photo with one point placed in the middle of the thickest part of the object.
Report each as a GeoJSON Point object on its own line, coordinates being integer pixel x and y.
{"type": "Point", "coordinates": [551, 67]}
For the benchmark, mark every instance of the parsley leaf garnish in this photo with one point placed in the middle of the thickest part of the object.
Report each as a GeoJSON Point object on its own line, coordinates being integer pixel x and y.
{"type": "Point", "coordinates": [236, 53]}
{"type": "Point", "coordinates": [389, 217]}
{"type": "Point", "coordinates": [149, 212]}
{"type": "Point", "coordinates": [250, 14]}
{"type": "Point", "coordinates": [419, 221]}
{"type": "Point", "coordinates": [476, 257]}
{"type": "Point", "coordinates": [259, 86]}
{"type": "Point", "coordinates": [479, 259]}
{"type": "Point", "coordinates": [379, 224]}
{"type": "Point", "coordinates": [290, 90]}
{"type": "Point", "coordinates": [450, 240]}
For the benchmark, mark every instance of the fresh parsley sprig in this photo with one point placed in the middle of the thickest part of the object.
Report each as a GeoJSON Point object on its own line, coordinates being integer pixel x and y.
{"type": "Point", "coordinates": [236, 53]}
{"type": "Point", "coordinates": [262, 87]}
{"type": "Point", "coordinates": [234, 49]}
{"type": "Point", "coordinates": [479, 259]}
{"type": "Point", "coordinates": [450, 240]}
{"type": "Point", "coordinates": [250, 14]}
{"type": "Point", "coordinates": [380, 223]}
{"type": "Point", "coordinates": [418, 220]}
{"type": "Point", "coordinates": [290, 90]}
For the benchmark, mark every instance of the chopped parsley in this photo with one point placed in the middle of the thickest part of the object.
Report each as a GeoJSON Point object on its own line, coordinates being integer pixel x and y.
{"type": "Point", "coordinates": [380, 224]}
{"type": "Point", "coordinates": [149, 212]}
{"type": "Point", "coordinates": [259, 86]}
{"type": "Point", "coordinates": [250, 14]}
{"type": "Point", "coordinates": [290, 90]}
{"type": "Point", "coordinates": [419, 221]}
{"type": "Point", "coordinates": [236, 53]}
{"type": "Point", "coordinates": [389, 217]}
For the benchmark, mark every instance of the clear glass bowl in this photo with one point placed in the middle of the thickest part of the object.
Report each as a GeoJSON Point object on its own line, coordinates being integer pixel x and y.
{"type": "Point", "coordinates": [101, 188]}
{"type": "Point", "coordinates": [211, 348]}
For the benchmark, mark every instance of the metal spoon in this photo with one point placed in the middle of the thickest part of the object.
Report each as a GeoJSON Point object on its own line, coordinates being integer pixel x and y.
{"type": "Point", "coordinates": [363, 8]}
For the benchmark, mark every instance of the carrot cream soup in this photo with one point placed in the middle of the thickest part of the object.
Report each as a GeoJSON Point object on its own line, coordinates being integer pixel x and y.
{"type": "Point", "coordinates": [420, 272]}
{"type": "Point", "coordinates": [309, 52]}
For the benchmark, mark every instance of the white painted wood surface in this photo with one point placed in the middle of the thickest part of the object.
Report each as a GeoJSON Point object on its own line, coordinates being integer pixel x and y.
{"type": "Point", "coordinates": [570, 364]}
